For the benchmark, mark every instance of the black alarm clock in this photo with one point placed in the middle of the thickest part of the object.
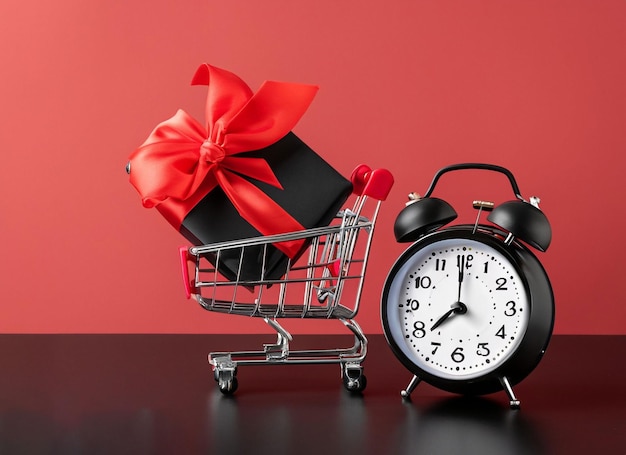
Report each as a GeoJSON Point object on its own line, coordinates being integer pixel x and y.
{"type": "Point", "coordinates": [468, 308]}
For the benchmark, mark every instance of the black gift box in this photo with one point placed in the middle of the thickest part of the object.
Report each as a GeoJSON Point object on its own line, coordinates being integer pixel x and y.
{"type": "Point", "coordinates": [313, 192]}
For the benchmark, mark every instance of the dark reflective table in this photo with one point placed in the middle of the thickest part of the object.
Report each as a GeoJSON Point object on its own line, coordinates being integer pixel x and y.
{"type": "Point", "coordinates": [155, 394]}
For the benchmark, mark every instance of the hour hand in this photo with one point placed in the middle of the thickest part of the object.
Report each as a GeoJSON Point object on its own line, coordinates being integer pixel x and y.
{"type": "Point", "coordinates": [457, 308]}
{"type": "Point", "coordinates": [442, 319]}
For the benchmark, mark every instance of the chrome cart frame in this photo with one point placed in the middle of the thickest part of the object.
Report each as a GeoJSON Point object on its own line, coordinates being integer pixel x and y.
{"type": "Point", "coordinates": [317, 285]}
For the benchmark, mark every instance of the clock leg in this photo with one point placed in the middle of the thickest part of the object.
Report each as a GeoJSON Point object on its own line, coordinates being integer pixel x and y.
{"type": "Point", "coordinates": [414, 382]}
{"type": "Point", "coordinates": [514, 403]}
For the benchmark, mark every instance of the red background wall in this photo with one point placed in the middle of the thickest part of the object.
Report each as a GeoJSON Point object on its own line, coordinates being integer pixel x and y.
{"type": "Point", "coordinates": [535, 86]}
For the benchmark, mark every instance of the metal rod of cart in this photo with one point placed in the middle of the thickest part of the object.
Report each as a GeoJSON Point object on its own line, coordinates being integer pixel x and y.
{"type": "Point", "coordinates": [325, 282]}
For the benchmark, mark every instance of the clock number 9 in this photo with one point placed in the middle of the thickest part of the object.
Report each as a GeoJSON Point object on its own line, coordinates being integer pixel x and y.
{"type": "Point", "coordinates": [413, 304]}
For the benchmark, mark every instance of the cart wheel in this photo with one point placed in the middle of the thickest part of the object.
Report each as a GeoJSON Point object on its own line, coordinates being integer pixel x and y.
{"type": "Point", "coordinates": [354, 380]}
{"type": "Point", "coordinates": [229, 385]}
{"type": "Point", "coordinates": [226, 378]}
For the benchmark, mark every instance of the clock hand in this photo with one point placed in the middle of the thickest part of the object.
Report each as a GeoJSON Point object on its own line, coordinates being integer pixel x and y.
{"type": "Point", "coordinates": [460, 263]}
{"type": "Point", "coordinates": [442, 319]}
{"type": "Point", "coordinates": [457, 308]}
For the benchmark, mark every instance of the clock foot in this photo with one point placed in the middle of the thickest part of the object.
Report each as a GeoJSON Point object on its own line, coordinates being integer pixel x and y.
{"type": "Point", "coordinates": [407, 392]}
{"type": "Point", "coordinates": [514, 403]}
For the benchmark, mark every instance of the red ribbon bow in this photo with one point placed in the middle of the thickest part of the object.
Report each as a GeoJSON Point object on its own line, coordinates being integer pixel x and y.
{"type": "Point", "coordinates": [181, 161]}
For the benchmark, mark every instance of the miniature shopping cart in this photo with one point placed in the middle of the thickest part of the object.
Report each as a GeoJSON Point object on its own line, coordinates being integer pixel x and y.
{"type": "Point", "coordinates": [333, 266]}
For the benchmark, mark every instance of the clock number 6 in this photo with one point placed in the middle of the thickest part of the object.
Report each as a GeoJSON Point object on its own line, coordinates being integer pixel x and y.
{"type": "Point", "coordinates": [457, 355]}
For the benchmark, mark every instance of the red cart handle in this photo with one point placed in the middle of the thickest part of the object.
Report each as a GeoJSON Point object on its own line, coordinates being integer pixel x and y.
{"type": "Point", "coordinates": [185, 259]}
{"type": "Point", "coordinates": [373, 183]}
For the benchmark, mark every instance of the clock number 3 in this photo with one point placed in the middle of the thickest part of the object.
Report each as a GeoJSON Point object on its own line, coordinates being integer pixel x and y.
{"type": "Point", "coordinates": [510, 310]}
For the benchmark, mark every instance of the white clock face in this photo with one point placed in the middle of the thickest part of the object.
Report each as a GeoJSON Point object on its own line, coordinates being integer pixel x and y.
{"type": "Point", "coordinates": [457, 308]}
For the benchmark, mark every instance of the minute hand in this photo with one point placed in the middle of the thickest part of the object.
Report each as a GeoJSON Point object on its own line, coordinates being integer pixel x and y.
{"type": "Point", "coordinates": [460, 263]}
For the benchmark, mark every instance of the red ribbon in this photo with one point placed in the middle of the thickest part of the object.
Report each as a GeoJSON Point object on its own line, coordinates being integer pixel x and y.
{"type": "Point", "coordinates": [181, 161]}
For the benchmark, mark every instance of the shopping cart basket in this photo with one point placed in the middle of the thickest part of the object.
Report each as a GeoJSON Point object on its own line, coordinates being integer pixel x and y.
{"type": "Point", "coordinates": [333, 265]}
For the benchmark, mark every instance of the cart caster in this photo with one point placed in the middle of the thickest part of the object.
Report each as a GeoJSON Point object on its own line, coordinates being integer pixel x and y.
{"type": "Point", "coordinates": [353, 378]}
{"type": "Point", "coordinates": [225, 374]}
{"type": "Point", "coordinates": [226, 381]}
{"type": "Point", "coordinates": [228, 386]}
